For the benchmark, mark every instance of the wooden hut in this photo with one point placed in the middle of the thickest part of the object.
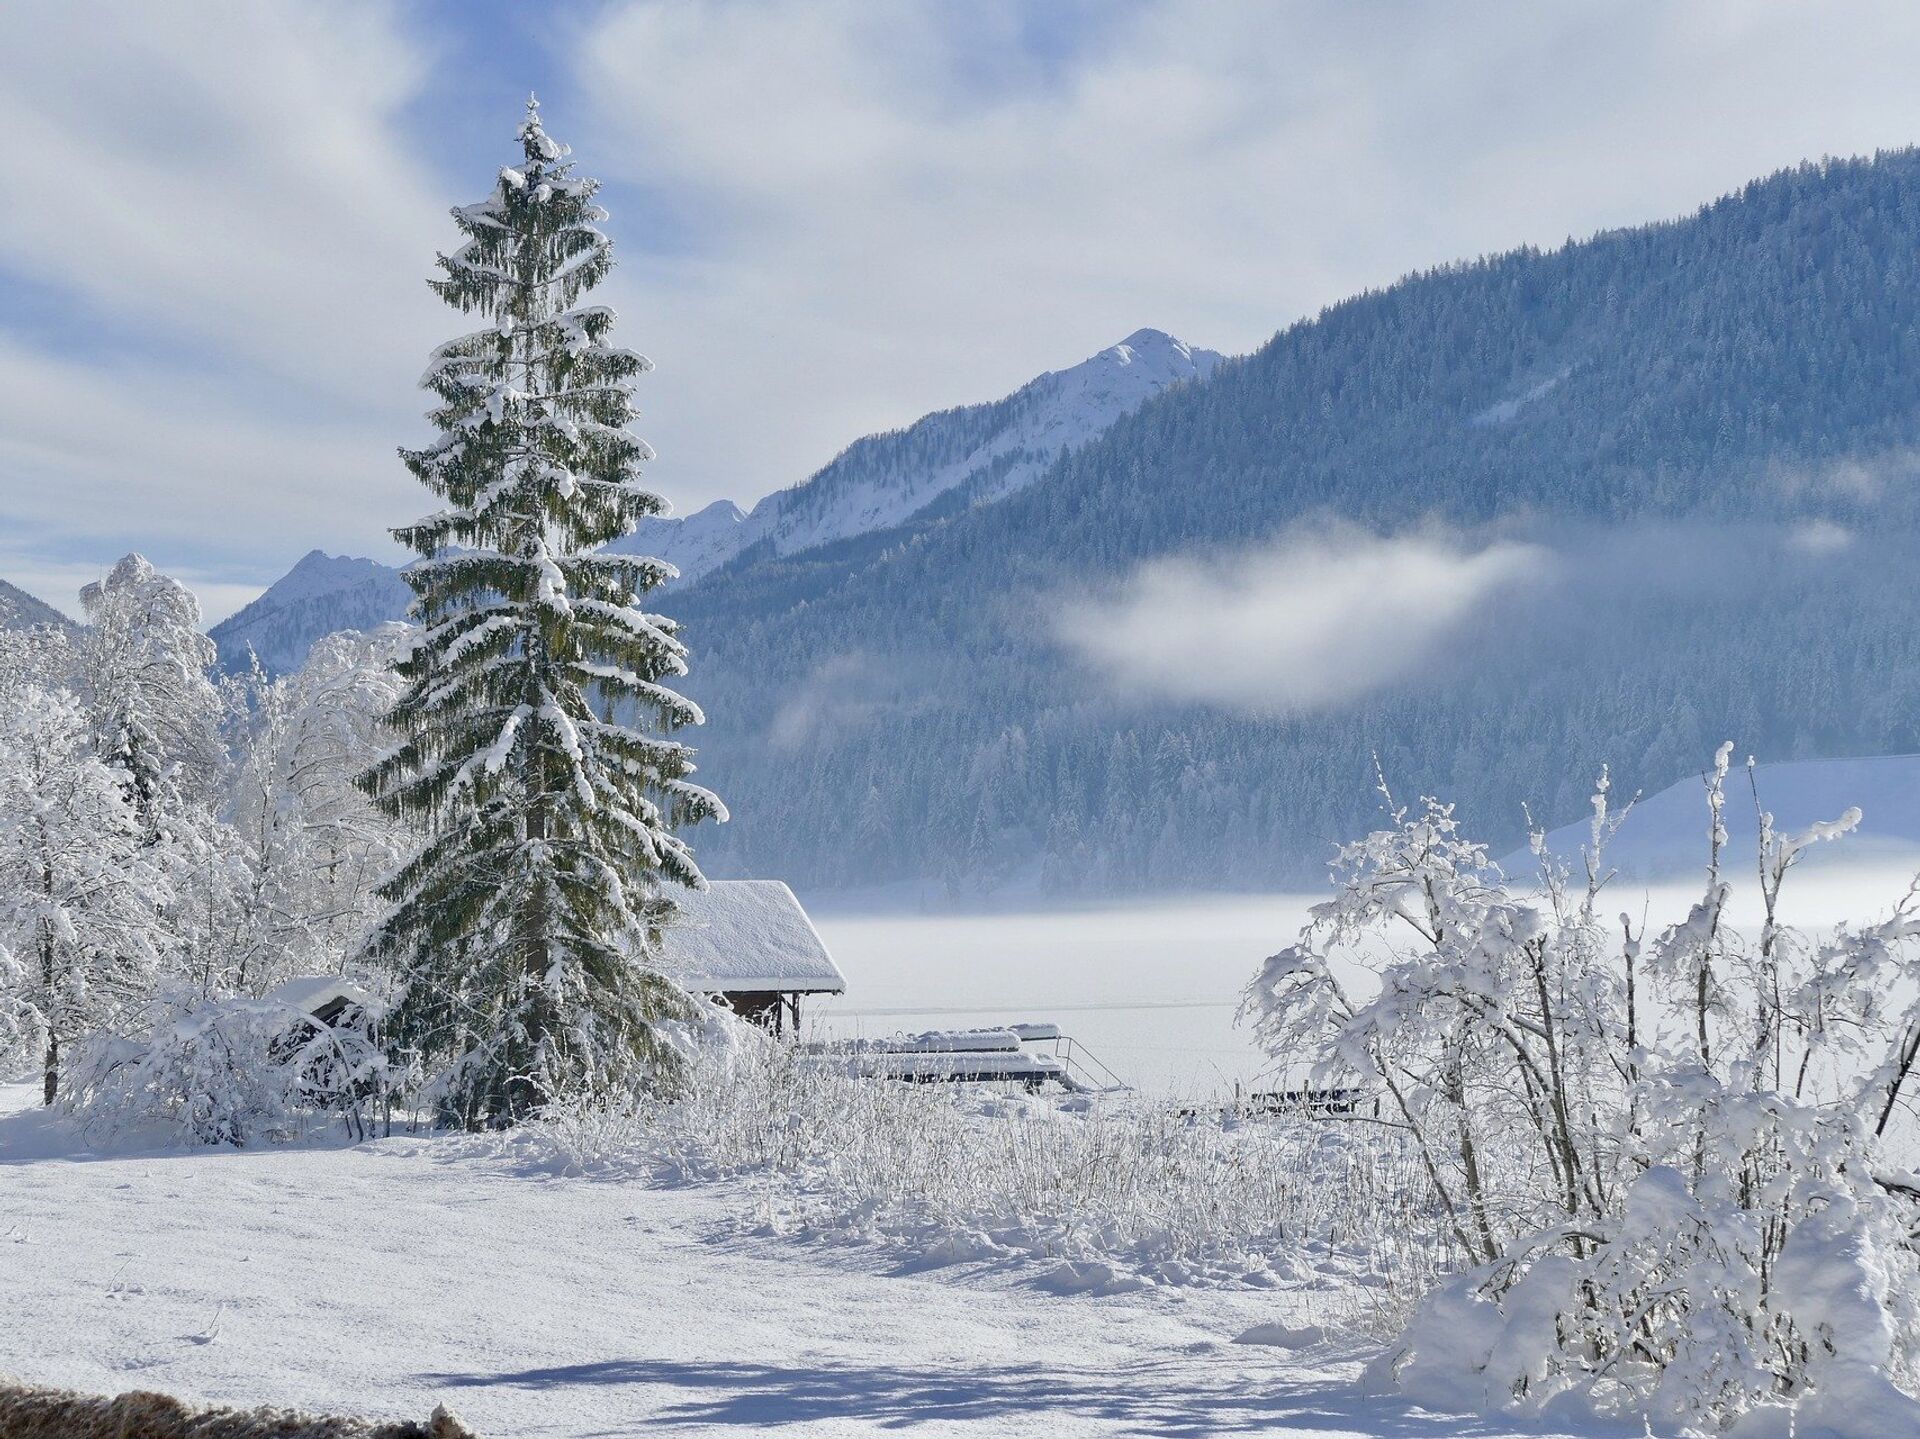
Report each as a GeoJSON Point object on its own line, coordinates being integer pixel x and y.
{"type": "Point", "coordinates": [748, 943]}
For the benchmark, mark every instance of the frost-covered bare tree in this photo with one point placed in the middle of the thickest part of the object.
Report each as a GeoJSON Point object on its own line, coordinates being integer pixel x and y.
{"type": "Point", "coordinates": [314, 847]}
{"type": "Point", "coordinates": [81, 894]}
{"type": "Point", "coordinates": [281, 886]}
{"type": "Point", "coordinates": [42, 657]}
{"type": "Point", "coordinates": [155, 709]}
{"type": "Point", "coordinates": [1661, 1157]}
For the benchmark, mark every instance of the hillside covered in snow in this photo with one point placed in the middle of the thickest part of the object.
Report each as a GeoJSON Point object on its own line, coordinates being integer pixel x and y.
{"type": "Point", "coordinates": [1664, 835]}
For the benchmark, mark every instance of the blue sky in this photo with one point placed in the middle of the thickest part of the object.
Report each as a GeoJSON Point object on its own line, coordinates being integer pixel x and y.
{"type": "Point", "coordinates": [831, 216]}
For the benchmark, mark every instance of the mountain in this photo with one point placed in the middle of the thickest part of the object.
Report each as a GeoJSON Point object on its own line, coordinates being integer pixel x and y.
{"type": "Point", "coordinates": [320, 595]}
{"type": "Point", "coordinates": [1664, 835]}
{"type": "Point", "coordinates": [979, 453]}
{"type": "Point", "coordinates": [966, 456]}
{"type": "Point", "coordinates": [972, 455]}
{"type": "Point", "coordinates": [1703, 435]}
{"type": "Point", "coordinates": [21, 611]}
{"type": "Point", "coordinates": [702, 541]}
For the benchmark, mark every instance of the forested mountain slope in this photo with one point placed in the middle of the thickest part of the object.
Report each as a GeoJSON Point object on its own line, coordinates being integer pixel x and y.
{"type": "Point", "coordinates": [22, 611]}
{"type": "Point", "coordinates": [1704, 433]}
{"type": "Point", "coordinates": [319, 596]}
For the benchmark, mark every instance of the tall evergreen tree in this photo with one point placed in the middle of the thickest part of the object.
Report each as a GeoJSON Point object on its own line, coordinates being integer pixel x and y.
{"type": "Point", "coordinates": [520, 928]}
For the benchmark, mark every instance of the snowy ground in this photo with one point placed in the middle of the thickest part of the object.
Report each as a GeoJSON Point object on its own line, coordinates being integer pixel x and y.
{"type": "Point", "coordinates": [389, 1276]}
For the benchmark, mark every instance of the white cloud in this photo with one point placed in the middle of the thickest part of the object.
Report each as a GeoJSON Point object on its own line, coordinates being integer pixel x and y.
{"type": "Point", "coordinates": [832, 216]}
{"type": "Point", "coordinates": [894, 208]}
{"type": "Point", "coordinates": [229, 174]}
{"type": "Point", "coordinates": [1820, 537]}
{"type": "Point", "coordinates": [99, 459]}
{"type": "Point", "coordinates": [1319, 619]}
{"type": "Point", "coordinates": [214, 209]}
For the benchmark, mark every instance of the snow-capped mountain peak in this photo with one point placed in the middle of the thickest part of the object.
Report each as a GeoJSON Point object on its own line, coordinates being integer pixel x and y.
{"type": "Point", "coordinates": [704, 540]}
{"type": "Point", "coordinates": [977, 453]}
{"type": "Point", "coordinates": [320, 595]}
{"type": "Point", "coordinates": [1151, 346]}
{"type": "Point", "coordinates": [966, 456]}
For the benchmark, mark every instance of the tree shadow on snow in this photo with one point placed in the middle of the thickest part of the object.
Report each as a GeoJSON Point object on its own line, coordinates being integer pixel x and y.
{"type": "Point", "coordinates": [1153, 1399]}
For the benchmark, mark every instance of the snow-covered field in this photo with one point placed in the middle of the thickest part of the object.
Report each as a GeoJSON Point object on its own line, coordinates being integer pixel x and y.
{"type": "Point", "coordinates": [385, 1277]}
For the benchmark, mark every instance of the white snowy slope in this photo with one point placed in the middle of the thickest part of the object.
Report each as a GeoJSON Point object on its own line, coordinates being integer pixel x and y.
{"type": "Point", "coordinates": [384, 1278]}
{"type": "Point", "coordinates": [982, 452]}
{"type": "Point", "coordinates": [1665, 835]}
{"type": "Point", "coordinates": [21, 611]}
{"type": "Point", "coordinates": [702, 541]}
{"type": "Point", "coordinates": [319, 596]}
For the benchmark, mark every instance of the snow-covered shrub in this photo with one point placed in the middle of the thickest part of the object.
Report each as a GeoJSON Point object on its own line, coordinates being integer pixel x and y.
{"type": "Point", "coordinates": [1661, 1162]}
{"type": "Point", "coordinates": [232, 1070]}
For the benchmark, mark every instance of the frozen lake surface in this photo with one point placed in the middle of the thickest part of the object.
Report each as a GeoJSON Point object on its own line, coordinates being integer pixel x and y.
{"type": "Point", "coordinates": [1152, 989]}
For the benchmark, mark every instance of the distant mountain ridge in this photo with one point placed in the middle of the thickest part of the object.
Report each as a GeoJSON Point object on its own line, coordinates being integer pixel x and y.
{"type": "Point", "coordinates": [975, 454]}
{"type": "Point", "coordinates": [321, 595]}
{"type": "Point", "coordinates": [971, 455]}
{"type": "Point", "coordinates": [22, 611]}
{"type": "Point", "coordinates": [1708, 429]}
{"type": "Point", "coordinates": [1664, 835]}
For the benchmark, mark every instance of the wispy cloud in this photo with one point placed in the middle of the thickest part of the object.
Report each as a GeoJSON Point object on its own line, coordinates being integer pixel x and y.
{"type": "Point", "coordinates": [213, 211]}
{"type": "Point", "coordinates": [876, 210]}
{"type": "Point", "coordinates": [832, 216]}
{"type": "Point", "coordinates": [1318, 619]}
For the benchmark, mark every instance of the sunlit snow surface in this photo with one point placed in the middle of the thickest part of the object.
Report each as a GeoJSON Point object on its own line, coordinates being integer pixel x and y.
{"type": "Point", "coordinates": [383, 1278]}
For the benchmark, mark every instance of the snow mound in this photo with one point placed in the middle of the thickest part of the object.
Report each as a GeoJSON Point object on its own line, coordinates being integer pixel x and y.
{"type": "Point", "coordinates": [1090, 1277]}
{"type": "Point", "coordinates": [1665, 836]}
{"type": "Point", "coordinates": [1284, 1336]}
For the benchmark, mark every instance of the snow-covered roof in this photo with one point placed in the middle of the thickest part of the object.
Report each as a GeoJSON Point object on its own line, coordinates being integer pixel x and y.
{"type": "Point", "coordinates": [311, 993]}
{"type": "Point", "coordinates": [740, 935]}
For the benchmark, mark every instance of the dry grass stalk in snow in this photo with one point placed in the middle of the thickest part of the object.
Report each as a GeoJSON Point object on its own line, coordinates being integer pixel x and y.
{"type": "Point", "coordinates": [1155, 1191]}
{"type": "Point", "coordinates": [30, 1412]}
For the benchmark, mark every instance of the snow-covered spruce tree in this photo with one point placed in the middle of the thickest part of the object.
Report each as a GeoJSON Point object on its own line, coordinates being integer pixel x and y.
{"type": "Point", "coordinates": [519, 928]}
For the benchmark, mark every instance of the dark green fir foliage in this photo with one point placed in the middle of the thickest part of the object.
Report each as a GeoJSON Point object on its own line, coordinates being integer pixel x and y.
{"type": "Point", "coordinates": [518, 930]}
